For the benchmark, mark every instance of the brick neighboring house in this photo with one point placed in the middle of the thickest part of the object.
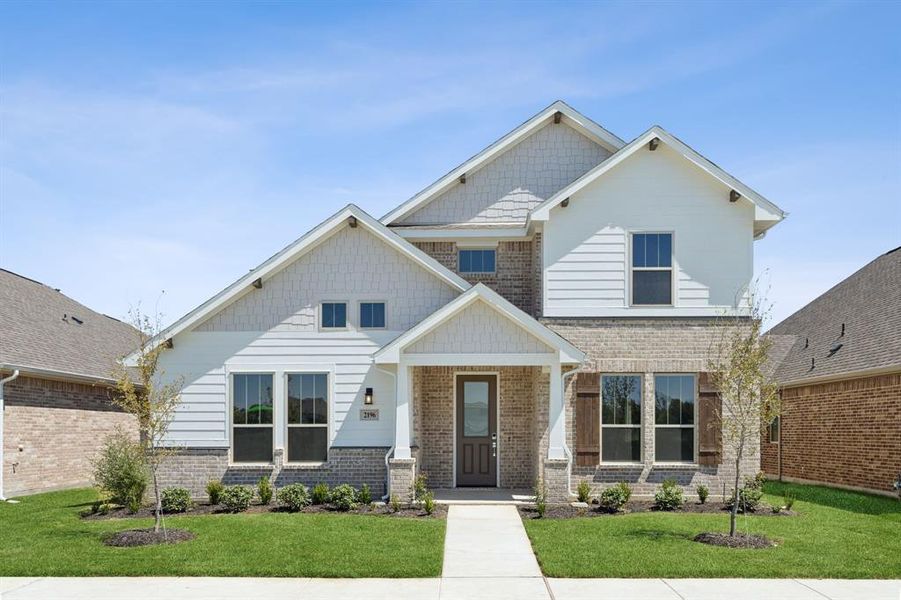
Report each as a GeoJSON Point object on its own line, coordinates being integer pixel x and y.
{"type": "Point", "coordinates": [542, 312]}
{"type": "Point", "coordinates": [838, 364]}
{"type": "Point", "coordinates": [57, 411]}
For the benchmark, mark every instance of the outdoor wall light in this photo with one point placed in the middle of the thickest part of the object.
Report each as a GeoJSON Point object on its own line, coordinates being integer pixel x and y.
{"type": "Point", "coordinates": [367, 399]}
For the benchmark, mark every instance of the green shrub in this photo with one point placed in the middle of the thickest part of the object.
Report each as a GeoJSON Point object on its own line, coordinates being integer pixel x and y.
{"type": "Point", "coordinates": [583, 491]}
{"type": "Point", "coordinates": [540, 499]}
{"type": "Point", "coordinates": [420, 486]}
{"type": "Point", "coordinates": [428, 503]}
{"type": "Point", "coordinates": [237, 498]}
{"type": "Point", "coordinates": [295, 496]}
{"type": "Point", "coordinates": [703, 493]}
{"type": "Point", "coordinates": [343, 497]}
{"type": "Point", "coordinates": [264, 490]}
{"type": "Point", "coordinates": [364, 496]}
{"type": "Point", "coordinates": [776, 508]}
{"type": "Point", "coordinates": [748, 498]}
{"type": "Point", "coordinates": [320, 493]}
{"type": "Point", "coordinates": [394, 503]}
{"type": "Point", "coordinates": [669, 496]}
{"type": "Point", "coordinates": [175, 500]}
{"type": "Point", "coordinates": [613, 499]}
{"type": "Point", "coordinates": [214, 489]}
{"type": "Point", "coordinates": [120, 470]}
{"type": "Point", "coordinates": [789, 500]}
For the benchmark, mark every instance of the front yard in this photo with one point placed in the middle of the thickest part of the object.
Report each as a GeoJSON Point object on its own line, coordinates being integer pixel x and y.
{"type": "Point", "coordinates": [837, 534]}
{"type": "Point", "coordinates": [44, 535]}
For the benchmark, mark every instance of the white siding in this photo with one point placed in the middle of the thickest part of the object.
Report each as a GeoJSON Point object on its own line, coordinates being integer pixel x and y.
{"type": "Point", "coordinates": [479, 329]}
{"type": "Point", "coordinates": [504, 190]}
{"type": "Point", "coordinates": [586, 245]}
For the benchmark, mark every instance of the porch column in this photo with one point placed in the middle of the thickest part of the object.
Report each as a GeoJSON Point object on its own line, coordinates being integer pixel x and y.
{"type": "Point", "coordinates": [402, 413]}
{"type": "Point", "coordinates": [556, 416]}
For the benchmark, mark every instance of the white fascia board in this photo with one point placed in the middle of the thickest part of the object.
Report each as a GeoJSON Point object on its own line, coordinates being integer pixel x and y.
{"type": "Point", "coordinates": [438, 234]}
{"type": "Point", "coordinates": [568, 354]}
{"type": "Point", "coordinates": [572, 118]}
{"type": "Point", "coordinates": [499, 360]}
{"type": "Point", "coordinates": [294, 250]}
{"type": "Point", "coordinates": [764, 209]}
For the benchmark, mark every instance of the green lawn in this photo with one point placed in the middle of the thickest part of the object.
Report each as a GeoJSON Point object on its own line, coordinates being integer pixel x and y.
{"type": "Point", "coordinates": [838, 534]}
{"type": "Point", "coordinates": [43, 535]}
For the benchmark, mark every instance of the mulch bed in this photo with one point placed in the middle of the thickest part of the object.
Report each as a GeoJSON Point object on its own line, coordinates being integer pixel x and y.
{"type": "Point", "coordinates": [147, 537]}
{"type": "Point", "coordinates": [204, 508]}
{"type": "Point", "coordinates": [565, 511]}
{"type": "Point", "coordinates": [740, 540]}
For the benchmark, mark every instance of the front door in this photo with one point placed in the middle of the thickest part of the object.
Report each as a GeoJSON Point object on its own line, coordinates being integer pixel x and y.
{"type": "Point", "coordinates": [477, 430]}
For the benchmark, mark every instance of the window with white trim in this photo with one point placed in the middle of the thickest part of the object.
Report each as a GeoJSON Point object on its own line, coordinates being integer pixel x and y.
{"type": "Point", "coordinates": [674, 418]}
{"type": "Point", "coordinates": [372, 315]}
{"type": "Point", "coordinates": [621, 418]}
{"type": "Point", "coordinates": [652, 269]}
{"type": "Point", "coordinates": [476, 261]}
{"type": "Point", "coordinates": [252, 417]}
{"type": "Point", "coordinates": [307, 417]}
{"type": "Point", "coordinates": [334, 315]}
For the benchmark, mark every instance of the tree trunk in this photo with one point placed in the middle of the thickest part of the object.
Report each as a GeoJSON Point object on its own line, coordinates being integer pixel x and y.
{"type": "Point", "coordinates": [158, 509]}
{"type": "Point", "coordinates": [733, 514]}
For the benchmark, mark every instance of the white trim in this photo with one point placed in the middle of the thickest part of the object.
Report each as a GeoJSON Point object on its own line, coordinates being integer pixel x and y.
{"type": "Point", "coordinates": [294, 250]}
{"type": "Point", "coordinates": [391, 352]}
{"type": "Point", "coordinates": [767, 213]}
{"type": "Point", "coordinates": [572, 118]}
{"type": "Point", "coordinates": [456, 234]}
{"type": "Point", "coordinates": [497, 407]}
{"type": "Point", "coordinates": [502, 360]}
{"type": "Point", "coordinates": [55, 375]}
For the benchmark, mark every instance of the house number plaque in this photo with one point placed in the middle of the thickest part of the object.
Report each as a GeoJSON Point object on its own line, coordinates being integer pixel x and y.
{"type": "Point", "coordinates": [369, 414]}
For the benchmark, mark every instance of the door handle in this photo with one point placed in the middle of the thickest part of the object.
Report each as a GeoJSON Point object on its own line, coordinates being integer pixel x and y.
{"type": "Point", "coordinates": [494, 445]}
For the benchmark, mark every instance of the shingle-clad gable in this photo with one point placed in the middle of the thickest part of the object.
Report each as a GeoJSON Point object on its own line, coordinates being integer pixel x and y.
{"type": "Point", "coordinates": [855, 326]}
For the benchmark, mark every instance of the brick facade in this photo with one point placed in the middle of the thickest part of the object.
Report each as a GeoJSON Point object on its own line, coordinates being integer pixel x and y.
{"type": "Point", "coordinates": [52, 431]}
{"type": "Point", "coordinates": [845, 433]}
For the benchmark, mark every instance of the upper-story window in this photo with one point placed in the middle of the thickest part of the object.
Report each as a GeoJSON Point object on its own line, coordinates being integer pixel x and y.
{"type": "Point", "coordinates": [334, 315]}
{"type": "Point", "coordinates": [372, 315]}
{"type": "Point", "coordinates": [476, 261]}
{"type": "Point", "coordinates": [652, 269]}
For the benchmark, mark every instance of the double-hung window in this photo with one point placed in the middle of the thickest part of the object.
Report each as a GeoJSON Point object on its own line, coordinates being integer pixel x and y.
{"type": "Point", "coordinates": [774, 430]}
{"type": "Point", "coordinates": [334, 315]}
{"type": "Point", "coordinates": [307, 417]}
{"type": "Point", "coordinates": [372, 315]}
{"type": "Point", "coordinates": [674, 418]}
{"type": "Point", "coordinates": [621, 418]}
{"type": "Point", "coordinates": [652, 269]}
{"type": "Point", "coordinates": [252, 417]}
{"type": "Point", "coordinates": [476, 261]}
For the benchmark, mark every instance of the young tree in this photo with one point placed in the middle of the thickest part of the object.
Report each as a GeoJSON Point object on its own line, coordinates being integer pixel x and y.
{"type": "Point", "coordinates": [749, 397]}
{"type": "Point", "coordinates": [141, 392]}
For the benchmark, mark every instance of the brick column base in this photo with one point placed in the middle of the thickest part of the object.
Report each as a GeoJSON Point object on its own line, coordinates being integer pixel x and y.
{"type": "Point", "coordinates": [401, 472]}
{"type": "Point", "coordinates": [556, 480]}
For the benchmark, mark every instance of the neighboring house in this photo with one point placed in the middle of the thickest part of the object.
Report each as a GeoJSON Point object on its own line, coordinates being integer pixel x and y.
{"type": "Point", "coordinates": [838, 365]}
{"type": "Point", "coordinates": [57, 411]}
{"type": "Point", "coordinates": [543, 312]}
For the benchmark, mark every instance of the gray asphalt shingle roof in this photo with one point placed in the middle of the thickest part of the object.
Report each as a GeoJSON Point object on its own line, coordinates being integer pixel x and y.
{"type": "Point", "coordinates": [44, 329]}
{"type": "Point", "coordinates": [868, 304]}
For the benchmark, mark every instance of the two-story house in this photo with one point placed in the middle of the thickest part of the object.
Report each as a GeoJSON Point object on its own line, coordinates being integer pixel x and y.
{"type": "Point", "coordinates": [544, 312]}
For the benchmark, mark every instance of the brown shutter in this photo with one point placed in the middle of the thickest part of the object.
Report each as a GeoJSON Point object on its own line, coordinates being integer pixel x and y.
{"type": "Point", "coordinates": [710, 430]}
{"type": "Point", "coordinates": [588, 418]}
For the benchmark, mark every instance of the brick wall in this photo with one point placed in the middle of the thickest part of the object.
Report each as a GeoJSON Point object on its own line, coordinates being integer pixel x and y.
{"type": "Point", "coordinates": [52, 431]}
{"type": "Point", "coordinates": [433, 423]}
{"type": "Point", "coordinates": [846, 433]}
{"type": "Point", "coordinates": [514, 278]}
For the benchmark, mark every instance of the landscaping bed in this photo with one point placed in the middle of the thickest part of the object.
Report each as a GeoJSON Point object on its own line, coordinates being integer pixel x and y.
{"type": "Point", "coordinates": [205, 508]}
{"type": "Point", "coordinates": [567, 511]}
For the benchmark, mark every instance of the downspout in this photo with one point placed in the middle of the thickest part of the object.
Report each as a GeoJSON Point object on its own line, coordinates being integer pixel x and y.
{"type": "Point", "coordinates": [391, 449]}
{"type": "Point", "coordinates": [569, 454]}
{"type": "Point", "coordinates": [2, 410]}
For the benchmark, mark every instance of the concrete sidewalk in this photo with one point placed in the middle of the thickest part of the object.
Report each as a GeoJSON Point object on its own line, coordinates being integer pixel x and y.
{"type": "Point", "coordinates": [493, 588]}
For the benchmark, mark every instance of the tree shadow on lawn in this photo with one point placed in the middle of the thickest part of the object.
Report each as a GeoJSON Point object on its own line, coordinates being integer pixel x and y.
{"type": "Point", "coordinates": [658, 535]}
{"type": "Point", "coordinates": [856, 502]}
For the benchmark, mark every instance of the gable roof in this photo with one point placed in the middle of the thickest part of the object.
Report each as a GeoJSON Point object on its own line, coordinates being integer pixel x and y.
{"type": "Point", "coordinates": [45, 333]}
{"type": "Point", "coordinates": [570, 117]}
{"type": "Point", "coordinates": [297, 248]}
{"type": "Point", "coordinates": [390, 353]}
{"type": "Point", "coordinates": [867, 304]}
{"type": "Point", "coordinates": [766, 214]}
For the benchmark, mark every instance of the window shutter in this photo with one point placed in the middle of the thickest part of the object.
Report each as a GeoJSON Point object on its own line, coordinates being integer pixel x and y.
{"type": "Point", "coordinates": [710, 429]}
{"type": "Point", "coordinates": [588, 419]}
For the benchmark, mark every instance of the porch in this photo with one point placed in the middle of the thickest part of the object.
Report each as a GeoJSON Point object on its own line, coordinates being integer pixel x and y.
{"type": "Point", "coordinates": [483, 496]}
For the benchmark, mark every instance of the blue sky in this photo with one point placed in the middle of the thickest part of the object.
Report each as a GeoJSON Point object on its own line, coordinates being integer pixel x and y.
{"type": "Point", "coordinates": [150, 147]}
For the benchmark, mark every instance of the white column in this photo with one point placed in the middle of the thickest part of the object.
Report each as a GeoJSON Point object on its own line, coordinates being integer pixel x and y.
{"type": "Point", "coordinates": [556, 415]}
{"type": "Point", "coordinates": [402, 413]}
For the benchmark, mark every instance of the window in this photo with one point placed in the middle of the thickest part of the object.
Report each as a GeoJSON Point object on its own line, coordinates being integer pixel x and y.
{"type": "Point", "coordinates": [372, 315]}
{"type": "Point", "coordinates": [775, 424]}
{"type": "Point", "coordinates": [652, 268]}
{"type": "Point", "coordinates": [621, 418]}
{"type": "Point", "coordinates": [334, 315]}
{"type": "Point", "coordinates": [674, 418]}
{"type": "Point", "coordinates": [307, 417]}
{"type": "Point", "coordinates": [252, 417]}
{"type": "Point", "coordinates": [476, 261]}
